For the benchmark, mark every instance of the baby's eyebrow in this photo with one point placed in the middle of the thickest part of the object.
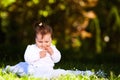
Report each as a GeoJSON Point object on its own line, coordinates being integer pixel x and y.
{"type": "Point", "coordinates": [40, 40]}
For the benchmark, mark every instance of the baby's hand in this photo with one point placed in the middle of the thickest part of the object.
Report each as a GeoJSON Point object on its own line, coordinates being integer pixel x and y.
{"type": "Point", "coordinates": [42, 54]}
{"type": "Point", "coordinates": [49, 50]}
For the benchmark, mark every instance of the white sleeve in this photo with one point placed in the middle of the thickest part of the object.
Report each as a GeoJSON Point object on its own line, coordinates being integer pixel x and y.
{"type": "Point", "coordinates": [56, 55]}
{"type": "Point", "coordinates": [31, 54]}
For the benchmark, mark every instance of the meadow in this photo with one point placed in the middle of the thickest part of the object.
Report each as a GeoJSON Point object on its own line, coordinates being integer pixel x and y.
{"type": "Point", "coordinates": [11, 76]}
{"type": "Point", "coordinates": [111, 71]}
{"type": "Point", "coordinates": [109, 66]}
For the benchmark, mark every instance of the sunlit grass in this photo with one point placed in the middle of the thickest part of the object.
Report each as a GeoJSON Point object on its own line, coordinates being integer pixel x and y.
{"type": "Point", "coordinates": [11, 76]}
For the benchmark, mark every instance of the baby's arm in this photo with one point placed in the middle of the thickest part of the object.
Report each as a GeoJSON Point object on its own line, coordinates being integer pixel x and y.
{"type": "Point", "coordinates": [31, 54]}
{"type": "Point", "coordinates": [56, 55]}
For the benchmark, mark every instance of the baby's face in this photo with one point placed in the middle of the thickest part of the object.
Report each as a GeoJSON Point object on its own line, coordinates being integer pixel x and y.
{"type": "Point", "coordinates": [43, 41]}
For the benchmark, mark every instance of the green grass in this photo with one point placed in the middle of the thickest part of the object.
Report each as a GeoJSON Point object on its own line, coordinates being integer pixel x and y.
{"type": "Point", "coordinates": [11, 76]}
{"type": "Point", "coordinates": [112, 70]}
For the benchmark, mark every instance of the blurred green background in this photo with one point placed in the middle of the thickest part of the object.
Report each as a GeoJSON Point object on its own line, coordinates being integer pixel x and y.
{"type": "Point", "coordinates": [85, 31]}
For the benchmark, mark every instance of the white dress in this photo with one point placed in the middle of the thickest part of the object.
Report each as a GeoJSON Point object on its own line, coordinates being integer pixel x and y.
{"type": "Point", "coordinates": [41, 67]}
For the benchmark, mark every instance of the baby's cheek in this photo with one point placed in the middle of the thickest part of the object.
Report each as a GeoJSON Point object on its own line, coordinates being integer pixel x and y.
{"type": "Point", "coordinates": [40, 46]}
{"type": "Point", "coordinates": [48, 45]}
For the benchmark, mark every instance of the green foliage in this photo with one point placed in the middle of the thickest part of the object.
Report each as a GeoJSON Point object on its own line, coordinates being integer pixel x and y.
{"type": "Point", "coordinates": [6, 3]}
{"type": "Point", "coordinates": [114, 14]}
{"type": "Point", "coordinates": [98, 44]}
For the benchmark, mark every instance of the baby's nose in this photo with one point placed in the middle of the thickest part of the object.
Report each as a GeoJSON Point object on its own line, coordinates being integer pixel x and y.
{"type": "Point", "coordinates": [44, 45]}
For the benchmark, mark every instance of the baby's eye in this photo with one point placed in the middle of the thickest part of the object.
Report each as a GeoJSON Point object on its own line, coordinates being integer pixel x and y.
{"type": "Point", "coordinates": [46, 41]}
{"type": "Point", "coordinates": [40, 41]}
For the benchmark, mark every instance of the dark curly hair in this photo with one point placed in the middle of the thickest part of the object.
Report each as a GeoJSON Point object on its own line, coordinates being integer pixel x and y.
{"type": "Point", "coordinates": [42, 28]}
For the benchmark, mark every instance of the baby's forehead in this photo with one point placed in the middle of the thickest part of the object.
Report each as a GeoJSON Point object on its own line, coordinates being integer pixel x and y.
{"type": "Point", "coordinates": [45, 36]}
